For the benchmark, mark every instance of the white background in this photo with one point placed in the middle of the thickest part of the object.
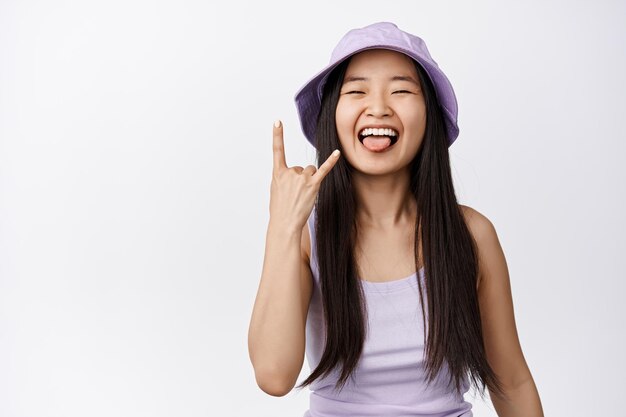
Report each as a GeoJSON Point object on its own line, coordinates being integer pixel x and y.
{"type": "Point", "coordinates": [135, 163]}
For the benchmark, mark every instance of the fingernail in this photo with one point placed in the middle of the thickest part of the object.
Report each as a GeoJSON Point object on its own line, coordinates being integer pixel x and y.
{"type": "Point", "coordinates": [277, 123]}
{"type": "Point", "coordinates": [336, 152]}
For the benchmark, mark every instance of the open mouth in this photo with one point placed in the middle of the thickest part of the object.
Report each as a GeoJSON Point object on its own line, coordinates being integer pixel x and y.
{"type": "Point", "coordinates": [378, 140]}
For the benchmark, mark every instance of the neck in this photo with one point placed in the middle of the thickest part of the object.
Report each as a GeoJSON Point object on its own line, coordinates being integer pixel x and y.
{"type": "Point", "coordinates": [383, 201]}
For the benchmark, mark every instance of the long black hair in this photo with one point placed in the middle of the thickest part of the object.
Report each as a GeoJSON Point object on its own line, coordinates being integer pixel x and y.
{"type": "Point", "coordinates": [453, 334]}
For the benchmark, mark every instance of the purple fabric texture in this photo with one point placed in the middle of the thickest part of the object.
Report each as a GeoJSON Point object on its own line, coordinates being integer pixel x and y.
{"type": "Point", "coordinates": [390, 379]}
{"type": "Point", "coordinates": [382, 35]}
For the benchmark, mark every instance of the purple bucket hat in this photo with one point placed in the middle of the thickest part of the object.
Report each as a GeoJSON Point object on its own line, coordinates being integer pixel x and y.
{"type": "Point", "coordinates": [382, 35]}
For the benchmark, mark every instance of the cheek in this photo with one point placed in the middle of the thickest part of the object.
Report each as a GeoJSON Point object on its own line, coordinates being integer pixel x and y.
{"type": "Point", "coordinates": [345, 121]}
{"type": "Point", "coordinates": [415, 117]}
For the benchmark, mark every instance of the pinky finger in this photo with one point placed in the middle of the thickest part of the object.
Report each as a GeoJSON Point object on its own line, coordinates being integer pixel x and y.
{"type": "Point", "coordinates": [325, 168]}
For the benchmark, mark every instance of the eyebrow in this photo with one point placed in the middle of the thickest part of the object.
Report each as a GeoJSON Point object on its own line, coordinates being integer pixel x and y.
{"type": "Point", "coordinates": [353, 78]}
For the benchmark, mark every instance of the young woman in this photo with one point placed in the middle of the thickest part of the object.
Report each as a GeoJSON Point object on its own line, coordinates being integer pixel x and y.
{"type": "Point", "coordinates": [397, 294]}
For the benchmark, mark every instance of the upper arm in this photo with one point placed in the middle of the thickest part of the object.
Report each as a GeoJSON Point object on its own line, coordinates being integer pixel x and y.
{"type": "Point", "coordinates": [501, 340]}
{"type": "Point", "coordinates": [306, 277]}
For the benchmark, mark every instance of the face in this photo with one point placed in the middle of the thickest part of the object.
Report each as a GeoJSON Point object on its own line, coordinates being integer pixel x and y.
{"type": "Point", "coordinates": [380, 90]}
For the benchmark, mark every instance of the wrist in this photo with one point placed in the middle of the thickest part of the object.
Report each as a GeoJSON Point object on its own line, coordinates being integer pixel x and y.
{"type": "Point", "coordinates": [284, 227]}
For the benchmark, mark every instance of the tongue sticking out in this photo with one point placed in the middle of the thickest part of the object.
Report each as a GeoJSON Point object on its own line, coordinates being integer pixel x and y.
{"type": "Point", "coordinates": [377, 143]}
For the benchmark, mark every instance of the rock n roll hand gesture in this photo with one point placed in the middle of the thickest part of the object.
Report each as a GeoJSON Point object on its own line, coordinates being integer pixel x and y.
{"type": "Point", "coordinates": [293, 190]}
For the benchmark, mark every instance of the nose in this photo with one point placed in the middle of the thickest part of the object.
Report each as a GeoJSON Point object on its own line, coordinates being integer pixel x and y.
{"type": "Point", "coordinates": [377, 106]}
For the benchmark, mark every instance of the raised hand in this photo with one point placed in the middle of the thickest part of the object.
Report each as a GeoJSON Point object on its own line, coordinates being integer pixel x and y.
{"type": "Point", "coordinates": [293, 190]}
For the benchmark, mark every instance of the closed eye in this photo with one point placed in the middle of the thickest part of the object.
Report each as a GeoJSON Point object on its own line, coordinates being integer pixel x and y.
{"type": "Point", "coordinates": [355, 92]}
{"type": "Point", "coordinates": [402, 91]}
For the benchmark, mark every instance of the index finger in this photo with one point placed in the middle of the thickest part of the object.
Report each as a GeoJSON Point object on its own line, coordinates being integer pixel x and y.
{"type": "Point", "coordinates": [278, 147]}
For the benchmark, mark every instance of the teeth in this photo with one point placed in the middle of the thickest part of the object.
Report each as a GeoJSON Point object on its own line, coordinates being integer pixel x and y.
{"type": "Point", "coordinates": [378, 132]}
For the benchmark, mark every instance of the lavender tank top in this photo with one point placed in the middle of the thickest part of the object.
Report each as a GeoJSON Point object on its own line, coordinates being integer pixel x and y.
{"type": "Point", "coordinates": [390, 378]}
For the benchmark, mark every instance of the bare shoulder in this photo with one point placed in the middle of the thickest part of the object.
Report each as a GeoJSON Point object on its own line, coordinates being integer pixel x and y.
{"type": "Point", "coordinates": [480, 226]}
{"type": "Point", "coordinates": [484, 233]}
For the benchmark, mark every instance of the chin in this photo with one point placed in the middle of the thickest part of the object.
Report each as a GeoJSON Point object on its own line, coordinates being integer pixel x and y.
{"type": "Point", "coordinates": [377, 168]}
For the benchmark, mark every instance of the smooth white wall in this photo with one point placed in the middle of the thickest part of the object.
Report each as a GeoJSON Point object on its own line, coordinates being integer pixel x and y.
{"type": "Point", "coordinates": [135, 162]}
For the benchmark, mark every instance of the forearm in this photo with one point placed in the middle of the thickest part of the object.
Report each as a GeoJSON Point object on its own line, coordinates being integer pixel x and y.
{"type": "Point", "coordinates": [523, 401]}
{"type": "Point", "coordinates": [276, 333]}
